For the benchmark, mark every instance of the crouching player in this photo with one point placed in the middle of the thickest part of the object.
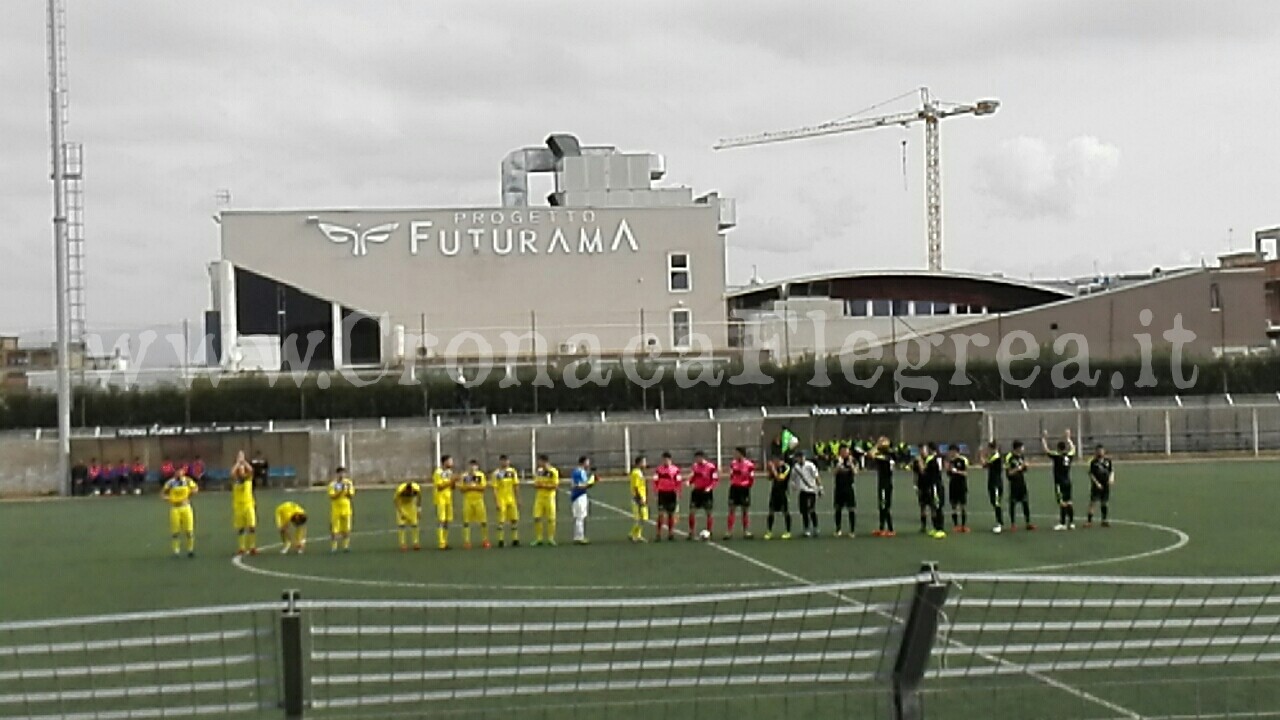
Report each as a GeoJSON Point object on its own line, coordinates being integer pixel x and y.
{"type": "Point", "coordinates": [408, 504]}
{"type": "Point", "coordinates": [742, 476]}
{"type": "Point", "coordinates": [639, 499]}
{"type": "Point", "coordinates": [182, 519]}
{"type": "Point", "coordinates": [291, 521]}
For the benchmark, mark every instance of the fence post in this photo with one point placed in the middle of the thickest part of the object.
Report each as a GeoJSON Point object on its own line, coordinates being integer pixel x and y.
{"type": "Point", "coordinates": [626, 447]}
{"type": "Point", "coordinates": [292, 675]}
{"type": "Point", "coordinates": [533, 450]}
{"type": "Point", "coordinates": [1168, 434]}
{"type": "Point", "coordinates": [918, 635]}
{"type": "Point", "coordinates": [1257, 445]}
{"type": "Point", "coordinates": [719, 446]}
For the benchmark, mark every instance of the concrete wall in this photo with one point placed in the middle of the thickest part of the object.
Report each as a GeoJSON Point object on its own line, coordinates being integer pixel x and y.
{"type": "Point", "coordinates": [28, 466]}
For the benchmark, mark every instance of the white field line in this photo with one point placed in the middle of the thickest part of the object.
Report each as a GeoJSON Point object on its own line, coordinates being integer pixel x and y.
{"type": "Point", "coordinates": [1077, 692]}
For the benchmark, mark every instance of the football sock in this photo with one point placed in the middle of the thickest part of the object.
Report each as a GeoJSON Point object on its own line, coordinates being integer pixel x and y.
{"type": "Point", "coordinates": [415, 534]}
{"type": "Point", "coordinates": [551, 530]}
{"type": "Point", "coordinates": [333, 543]}
{"type": "Point", "coordinates": [1026, 511]}
{"type": "Point", "coordinates": [729, 522]}
{"type": "Point", "coordinates": [746, 521]}
{"type": "Point", "coordinates": [999, 515]}
{"type": "Point", "coordinates": [177, 544]}
{"type": "Point", "coordinates": [515, 533]}
{"type": "Point", "coordinates": [346, 541]}
{"type": "Point", "coordinates": [251, 539]}
{"type": "Point", "coordinates": [710, 522]}
{"type": "Point", "coordinates": [787, 521]}
{"type": "Point", "coordinates": [1062, 514]}
{"type": "Point", "coordinates": [1104, 511]}
{"type": "Point", "coordinates": [484, 532]}
{"type": "Point", "coordinates": [837, 521]}
{"type": "Point", "coordinates": [964, 516]}
{"type": "Point", "coordinates": [955, 518]}
{"type": "Point", "coordinates": [537, 531]}
{"type": "Point", "coordinates": [768, 522]}
{"type": "Point", "coordinates": [1071, 514]}
{"type": "Point", "coordinates": [442, 537]}
{"type": "Point", "coordinates": [502, 533]}
{"type": "Point", "coordinates": [1089, 517]}
{"type": "Point", "coordinates": [466, 534]}
{"type": "Point", "coordinates": [191, 542]}
{"type": "Point", "coordinates": [402, 534]}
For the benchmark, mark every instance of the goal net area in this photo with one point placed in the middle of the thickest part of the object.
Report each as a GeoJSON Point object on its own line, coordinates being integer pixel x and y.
{"type": "Point", "coordinates": [926, 645]}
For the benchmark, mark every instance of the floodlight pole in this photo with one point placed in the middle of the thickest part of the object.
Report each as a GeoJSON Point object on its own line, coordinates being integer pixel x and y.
{"type": "Point", "coordinates": [63, 343]}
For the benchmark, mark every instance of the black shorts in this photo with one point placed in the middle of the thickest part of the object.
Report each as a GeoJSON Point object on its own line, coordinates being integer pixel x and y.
{"type": "Point", "coordinates": [959, 491]}
{"type": "Point", "coordinates": [1062, 491]}
{"type": "Point", "coordinates": [995, 492]}
{"type": "Point", "coordinates": [740, 496]}
{"type": "Point", "coordinates": [931, 496]}
{"type": "Point", "coordinates": [845, 497]}
{"type": "Point", "coordinates": [808, 502]}
{"type": "Point", "coordinates": [700, 500]}
{"type": "Point", "coordinates": [884, 492]}
{"type": "Point", "coordinates": [668, 501]}
{"type": "Point", "coordinates": [1099, 494]}
{"type": "Point", "coordinates": [1017, 490]}
{"type": "Point", "coordinates": [779, 501]}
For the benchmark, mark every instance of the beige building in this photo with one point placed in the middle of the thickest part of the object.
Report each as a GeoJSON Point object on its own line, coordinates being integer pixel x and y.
{"type": "Point", "coordinates": [613, 263]}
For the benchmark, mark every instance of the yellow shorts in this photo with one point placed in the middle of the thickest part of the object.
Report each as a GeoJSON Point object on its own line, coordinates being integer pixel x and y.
{"type": "Point", "coordinates": [340, 523]}
{"type": "Point", "coordinates": [444, 510]}
{"type": "Point", "coordinates": [508, 510]}
{"type": "Point", "coordinates": [544, 506]}
{"type": "Point", "coordinates": [474, 511]}
{"type": "Point", "coordinates": [407, 515]}
{"type": "Point", "coordinates": [182, 520]}
{"type": "Point", "coordinates": [244, 518]}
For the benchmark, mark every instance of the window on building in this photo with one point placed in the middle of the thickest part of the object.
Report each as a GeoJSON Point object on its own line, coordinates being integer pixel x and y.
{"type": "Point", "coordinates": [941, 308]}
{"type": "Point", "coordinates": [901, 308]}
{"type": "Point", "coordinates": [923, 307]}
{"type": "Point", "coordinates": [681, 329]}
{"type": "Point", "coordinates": [881, 308]}
{"type": "Point", "coordinates": [679, 278]}
{"type": "Point", "coordinates": [857, 308]}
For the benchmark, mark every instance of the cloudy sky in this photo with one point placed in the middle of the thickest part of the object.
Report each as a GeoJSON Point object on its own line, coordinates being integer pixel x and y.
{"type": "Point", "coordinates": [1131, 134]}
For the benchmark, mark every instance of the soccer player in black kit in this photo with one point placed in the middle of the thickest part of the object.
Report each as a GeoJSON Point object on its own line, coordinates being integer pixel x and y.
{"type": "Point", "coordinates": [1015, 468]}
{"type": "Point", "coordinates": [882, 459]}
{"type": "Point", "coordinates": [846, 500]}
{"type": "Point", "coordinates": [1101, 477]}
{"type": "Point", "coordinates": [958, 488]}
{"type": "Point", "coordinates": [993, 462]}
{"type": "Point", "coordinates": [929, 490]}
{"type": "Point", "coordinates": [1062, 458]}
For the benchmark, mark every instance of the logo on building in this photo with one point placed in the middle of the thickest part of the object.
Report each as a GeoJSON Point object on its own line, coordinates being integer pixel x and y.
{"type": "Point", "coordinates": [358, 238]}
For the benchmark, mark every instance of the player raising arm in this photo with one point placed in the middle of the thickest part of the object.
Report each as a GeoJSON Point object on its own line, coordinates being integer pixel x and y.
{"type": "Point", "coordinates": [244, 508]}
{"type": "Point", "coordinates": [1101, 477]}
{"type": "Point", "coordinates": [667, 484]}
{"type": "Point", "coordinates": [442, 498]}
{"type": "Point", "coordinates": [506, 485]}
{"type": "Point", "coordinates": [341, 492]}
{"type": "Point", "coordinates": [639, 499]}
{"type": "Point", "coordinates": [182, 519]}
{"type": "Point", "coordinates": [1062, 458]}
{"type": "Point", "coordinates": [407, 501]}
{"type": "Point", "coordinates": [742, 476]}
{"type": "Point", "coordinates": [546, 481]}
{"type": "Point", "coordinates": [291, 521]}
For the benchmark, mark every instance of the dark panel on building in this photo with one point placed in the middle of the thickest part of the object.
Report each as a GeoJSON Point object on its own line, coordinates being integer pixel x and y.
{"type": "Point", "coordinates": [303, 321]}
{"type": "Point", "coordinates": [363, 339]}
{"type": "Point", "coordinates": [213, 331]}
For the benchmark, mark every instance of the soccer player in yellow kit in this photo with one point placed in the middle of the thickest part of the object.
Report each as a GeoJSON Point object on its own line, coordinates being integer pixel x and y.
{"type": "Point", "coordinates": [474, 512]}
{"type": "Point", "coordinates": [639, 499]}
{"type": "Point", "coordinates": [546, 481]}
{"type": "Point", "coordinates": [408, 504]}
{"type": "Point", "coordinates": [506, 482]}
{"type": "Point", "coordinates": [442, 495]}
{"type": "Point", "coordinates": [244, 511]}
{"type": "Point", "coordinates": [341, 491]}
{"type": "Point", "coordinates": [291, 520]}
{"type": "Point", "coordinates": [182, 519]}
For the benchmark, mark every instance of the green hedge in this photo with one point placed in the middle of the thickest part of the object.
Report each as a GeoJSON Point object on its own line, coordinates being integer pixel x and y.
{"type": "Point", "coordinates": [254, 399]}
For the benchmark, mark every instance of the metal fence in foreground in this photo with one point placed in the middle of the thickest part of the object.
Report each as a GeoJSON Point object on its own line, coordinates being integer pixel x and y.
{"type": "Point", "coordinates": [919, 646]}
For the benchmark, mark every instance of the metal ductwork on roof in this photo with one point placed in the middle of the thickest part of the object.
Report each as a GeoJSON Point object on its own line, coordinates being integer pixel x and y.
{"type": "Point", "coordinates": [517, 165]}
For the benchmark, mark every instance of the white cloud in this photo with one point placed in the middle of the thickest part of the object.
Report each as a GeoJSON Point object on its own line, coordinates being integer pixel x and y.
{"type": "Point", "coordinates": [1027, 178]}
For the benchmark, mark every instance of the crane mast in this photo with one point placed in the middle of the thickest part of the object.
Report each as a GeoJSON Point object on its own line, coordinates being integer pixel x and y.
{"type": "Point", "coordinates": [930, 112]}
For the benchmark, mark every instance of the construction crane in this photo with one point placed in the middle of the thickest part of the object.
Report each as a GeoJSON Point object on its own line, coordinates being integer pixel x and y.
{"type": "Point", "coordinates": [931, 111]}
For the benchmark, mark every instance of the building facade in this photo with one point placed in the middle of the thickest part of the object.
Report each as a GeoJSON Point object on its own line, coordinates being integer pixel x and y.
{"type": "Point", "coordinates": [613, 265]}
